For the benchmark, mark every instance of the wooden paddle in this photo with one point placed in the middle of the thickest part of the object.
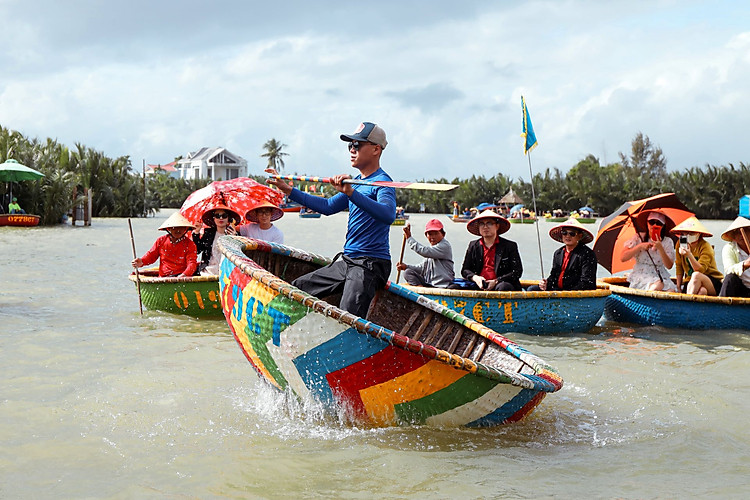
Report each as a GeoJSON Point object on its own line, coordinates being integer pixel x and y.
{"type": "Point", "coordinates": [137, 276]}
{"type": "Point", "coordinates": [744, 237]}
{"type": "Point", "coordinates": [401, 257]}
{"type": "Point", "coordinates": [430, 186]}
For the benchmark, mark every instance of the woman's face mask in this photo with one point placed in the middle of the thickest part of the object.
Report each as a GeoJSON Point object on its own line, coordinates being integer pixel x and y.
{"type": "Point", "coordinates": [692, 237]}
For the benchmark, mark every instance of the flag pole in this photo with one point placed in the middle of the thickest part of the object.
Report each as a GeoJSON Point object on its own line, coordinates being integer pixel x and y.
{"type": "Point", "coordinates": [536, 214]}
{"type": "Point", "coordinates": [530, 143]}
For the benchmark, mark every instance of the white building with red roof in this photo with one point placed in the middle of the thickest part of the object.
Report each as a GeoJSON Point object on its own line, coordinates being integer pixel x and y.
{"type": "Point", "coordinates": [212, 163]}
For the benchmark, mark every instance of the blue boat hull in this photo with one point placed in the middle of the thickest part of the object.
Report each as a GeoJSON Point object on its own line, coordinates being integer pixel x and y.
{"type": "Point", "coordinates": [673, 310]}
{"type": "Point", "coordinates": [535, 313]}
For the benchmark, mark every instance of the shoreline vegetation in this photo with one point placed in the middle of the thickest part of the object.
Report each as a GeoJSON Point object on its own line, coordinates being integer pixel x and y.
{"type": "Point", "coordinates": [712, 192]}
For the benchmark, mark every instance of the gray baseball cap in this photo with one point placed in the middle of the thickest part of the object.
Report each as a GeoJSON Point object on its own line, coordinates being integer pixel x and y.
{"type": "Point", "coordinates": [368, 132]}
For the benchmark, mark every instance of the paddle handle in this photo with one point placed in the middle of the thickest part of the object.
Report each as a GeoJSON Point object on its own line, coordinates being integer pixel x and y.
{"type": "Point", "coordinates": [429, 186]}
{"type": "Point", "coordinates": [137, 275]}
{"type": "Point", "coordinates": [401, 257]}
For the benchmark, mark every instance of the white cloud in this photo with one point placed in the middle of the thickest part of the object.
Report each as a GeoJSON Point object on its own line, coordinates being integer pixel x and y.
{"type": "Point", "coordinates": [445, 82]}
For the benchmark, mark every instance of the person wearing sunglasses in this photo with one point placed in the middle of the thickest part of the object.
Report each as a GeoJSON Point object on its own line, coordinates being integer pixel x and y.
{"type": "Point", "coordinates": [217, 221]}
{"type": "Point", "coordinates": [260, 226]}
{"type": "Point", "coordinates": [175, 250]}
{"type": "Point", "coordinates": [573, 264]}
{"type": "Point", "coordinates": [365, 264]}
{"type": "Point", "coordinates": [653, 251]}
{"type": "Point", "coordinates": [491, 262]}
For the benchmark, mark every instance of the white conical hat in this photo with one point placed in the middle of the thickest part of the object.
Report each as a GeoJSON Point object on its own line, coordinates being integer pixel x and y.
{"type": "Point", "coordinates": [554, 233]}
{"type": "Point", "coordinates": [736, 224]}
{"type": "Point", "coordinates": [176, 220]}
{"type": "Point", "coordinates": [691, 225]}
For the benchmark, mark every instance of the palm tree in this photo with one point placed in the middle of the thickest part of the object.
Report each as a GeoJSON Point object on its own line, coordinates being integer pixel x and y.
{"type": "Point", "coordinates": [274, 154]}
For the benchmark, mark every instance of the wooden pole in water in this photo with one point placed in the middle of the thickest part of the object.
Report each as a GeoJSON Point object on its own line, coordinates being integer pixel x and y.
{"type": "Point", "coordinates": [137, 276]}
{"type": "Point", "coordinates": [401, 257]}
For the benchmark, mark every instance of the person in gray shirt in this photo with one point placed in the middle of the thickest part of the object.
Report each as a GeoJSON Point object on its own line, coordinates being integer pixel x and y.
{"type": "Point", "coordinates": [436, 270]}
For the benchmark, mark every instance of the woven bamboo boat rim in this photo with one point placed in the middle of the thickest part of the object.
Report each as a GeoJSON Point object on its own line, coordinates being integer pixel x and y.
{"type": "Point", "coordinates": [616, 284]}
{"type": "Point", "coordinates": [485, 294]}
{"type": "Point", "coordinates": [546, 377]}
{"type": "Point", "coordinates": [147, 276]}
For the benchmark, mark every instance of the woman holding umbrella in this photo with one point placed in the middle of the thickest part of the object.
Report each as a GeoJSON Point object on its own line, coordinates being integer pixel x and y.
{"type": "Point", "coordinates": [654, 253]}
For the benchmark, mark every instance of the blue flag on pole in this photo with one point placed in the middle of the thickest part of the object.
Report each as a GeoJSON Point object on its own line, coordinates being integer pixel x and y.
{"type": "Point", "coordinates": [528, 130]}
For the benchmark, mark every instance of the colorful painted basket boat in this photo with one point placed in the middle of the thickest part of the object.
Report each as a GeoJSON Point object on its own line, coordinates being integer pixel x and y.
{"type": "Point", "coordinates": [674, 310]}
{"type": "Point", "coordinates": [412, 361]}
{"type": "Point", "coordinates": [195, 296]}
{"type": "Point", "coordinates": [21, 220]}
{"type": "Point", "coordinates": [398, 222]}
{"type": "Point", "coordinates": [526, 220]}
{"type": "Point", "coordinates": [309, 215]}
{"type": "Point", "coordinates": [537, 313]}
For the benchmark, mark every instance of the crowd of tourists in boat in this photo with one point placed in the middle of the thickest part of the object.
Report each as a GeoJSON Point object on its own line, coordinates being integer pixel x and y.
{"type": "Point", "coordinates": [491, 262]}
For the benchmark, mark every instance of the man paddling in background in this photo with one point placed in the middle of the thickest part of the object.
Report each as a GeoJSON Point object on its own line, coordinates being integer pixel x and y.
{"type": "Point", "coordinates": [365, 263]}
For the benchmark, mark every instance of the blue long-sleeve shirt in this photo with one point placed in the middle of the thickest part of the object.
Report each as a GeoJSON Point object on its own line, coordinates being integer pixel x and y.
{"type": "Point", "coordinates": [372, 209]}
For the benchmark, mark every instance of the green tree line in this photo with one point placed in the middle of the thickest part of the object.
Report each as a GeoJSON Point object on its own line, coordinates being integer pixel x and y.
{"type": "Point", "coordinates": [712, 192]}
{"type": "Point", "coordinates": [116, 189]}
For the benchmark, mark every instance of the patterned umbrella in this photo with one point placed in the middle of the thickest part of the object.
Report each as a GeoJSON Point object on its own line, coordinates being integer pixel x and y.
{"type": "Point", "coordinates": [624, 222]}
{"type": "Point", "coordinates": [239, 194]}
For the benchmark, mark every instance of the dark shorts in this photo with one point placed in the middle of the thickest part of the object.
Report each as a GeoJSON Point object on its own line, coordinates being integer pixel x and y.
{"type": "Point", "coordinates": [357, 279]}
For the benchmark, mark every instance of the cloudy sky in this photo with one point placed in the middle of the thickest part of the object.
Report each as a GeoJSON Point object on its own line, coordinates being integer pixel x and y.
{"type": "Point", "coordinates": [157, 79]}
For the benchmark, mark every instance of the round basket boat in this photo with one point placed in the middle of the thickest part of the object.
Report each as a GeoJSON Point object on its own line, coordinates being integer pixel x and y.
{"type": "Point", "coordinates": [194, 296]}
{"type": "Point", "coordinates": [537, 313]}
{"type": "Point", "coordinates": [672, 309]}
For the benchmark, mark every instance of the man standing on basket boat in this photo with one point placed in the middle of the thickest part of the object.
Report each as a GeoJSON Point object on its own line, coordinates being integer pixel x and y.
{"type": "Point", "coordinates": [365, 263]}
{"type": "Point", "coordinates": [573, 264]}
{"type": "Point", "coordinates": [492, 262]}
{"type": "Point", "coordinates": [436, 270]}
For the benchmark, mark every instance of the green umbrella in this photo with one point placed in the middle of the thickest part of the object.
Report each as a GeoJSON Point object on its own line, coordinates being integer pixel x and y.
{"type": "Point", "coordinates": [12, 171]}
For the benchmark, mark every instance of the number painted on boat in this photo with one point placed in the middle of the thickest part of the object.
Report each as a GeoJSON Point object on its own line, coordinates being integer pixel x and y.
{"type": "Point", "coordinates": [484, 311]}
{"type": "Point", "coordinates": [182, 302]}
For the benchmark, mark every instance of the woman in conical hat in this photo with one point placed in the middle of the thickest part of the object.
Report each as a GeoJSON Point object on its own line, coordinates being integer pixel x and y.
{"type": "Point", "coordinates": [573, 264]}
{"type": "Point", "coordinates": [697, 273]}
{"type": "Point", "coordinates": [217, 221]}
{"type": "Point", "coordinates": [175, 250]}
{"type": "Point", "coordinates": [736, 259]}
{"type": "Point", "coordinates": [492, 262]}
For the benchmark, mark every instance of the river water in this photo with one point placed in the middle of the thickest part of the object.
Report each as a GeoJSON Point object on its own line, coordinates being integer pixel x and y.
{"type": "Point", "coordinates": [97, 401]}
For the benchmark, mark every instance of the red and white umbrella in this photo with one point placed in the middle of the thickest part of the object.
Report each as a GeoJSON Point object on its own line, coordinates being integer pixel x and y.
{"type": "Point", "coordinates": [240, 194]}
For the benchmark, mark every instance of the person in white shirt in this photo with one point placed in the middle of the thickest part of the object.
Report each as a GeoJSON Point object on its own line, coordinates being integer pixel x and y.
{"type": "Point", "coordinates": [736, 259]}
{"type": "Point", "coordinates": [261, 227]}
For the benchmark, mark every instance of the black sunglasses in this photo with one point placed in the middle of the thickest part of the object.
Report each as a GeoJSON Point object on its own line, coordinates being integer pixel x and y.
{"type": "Point", "coordinates": [355, 145]}
{"type": "Point", "coordinates": [222, 215]}
{"type": "Point", "coordinates": [563, 232]}
{"type": "Point", "coordinates": [656, 222]}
